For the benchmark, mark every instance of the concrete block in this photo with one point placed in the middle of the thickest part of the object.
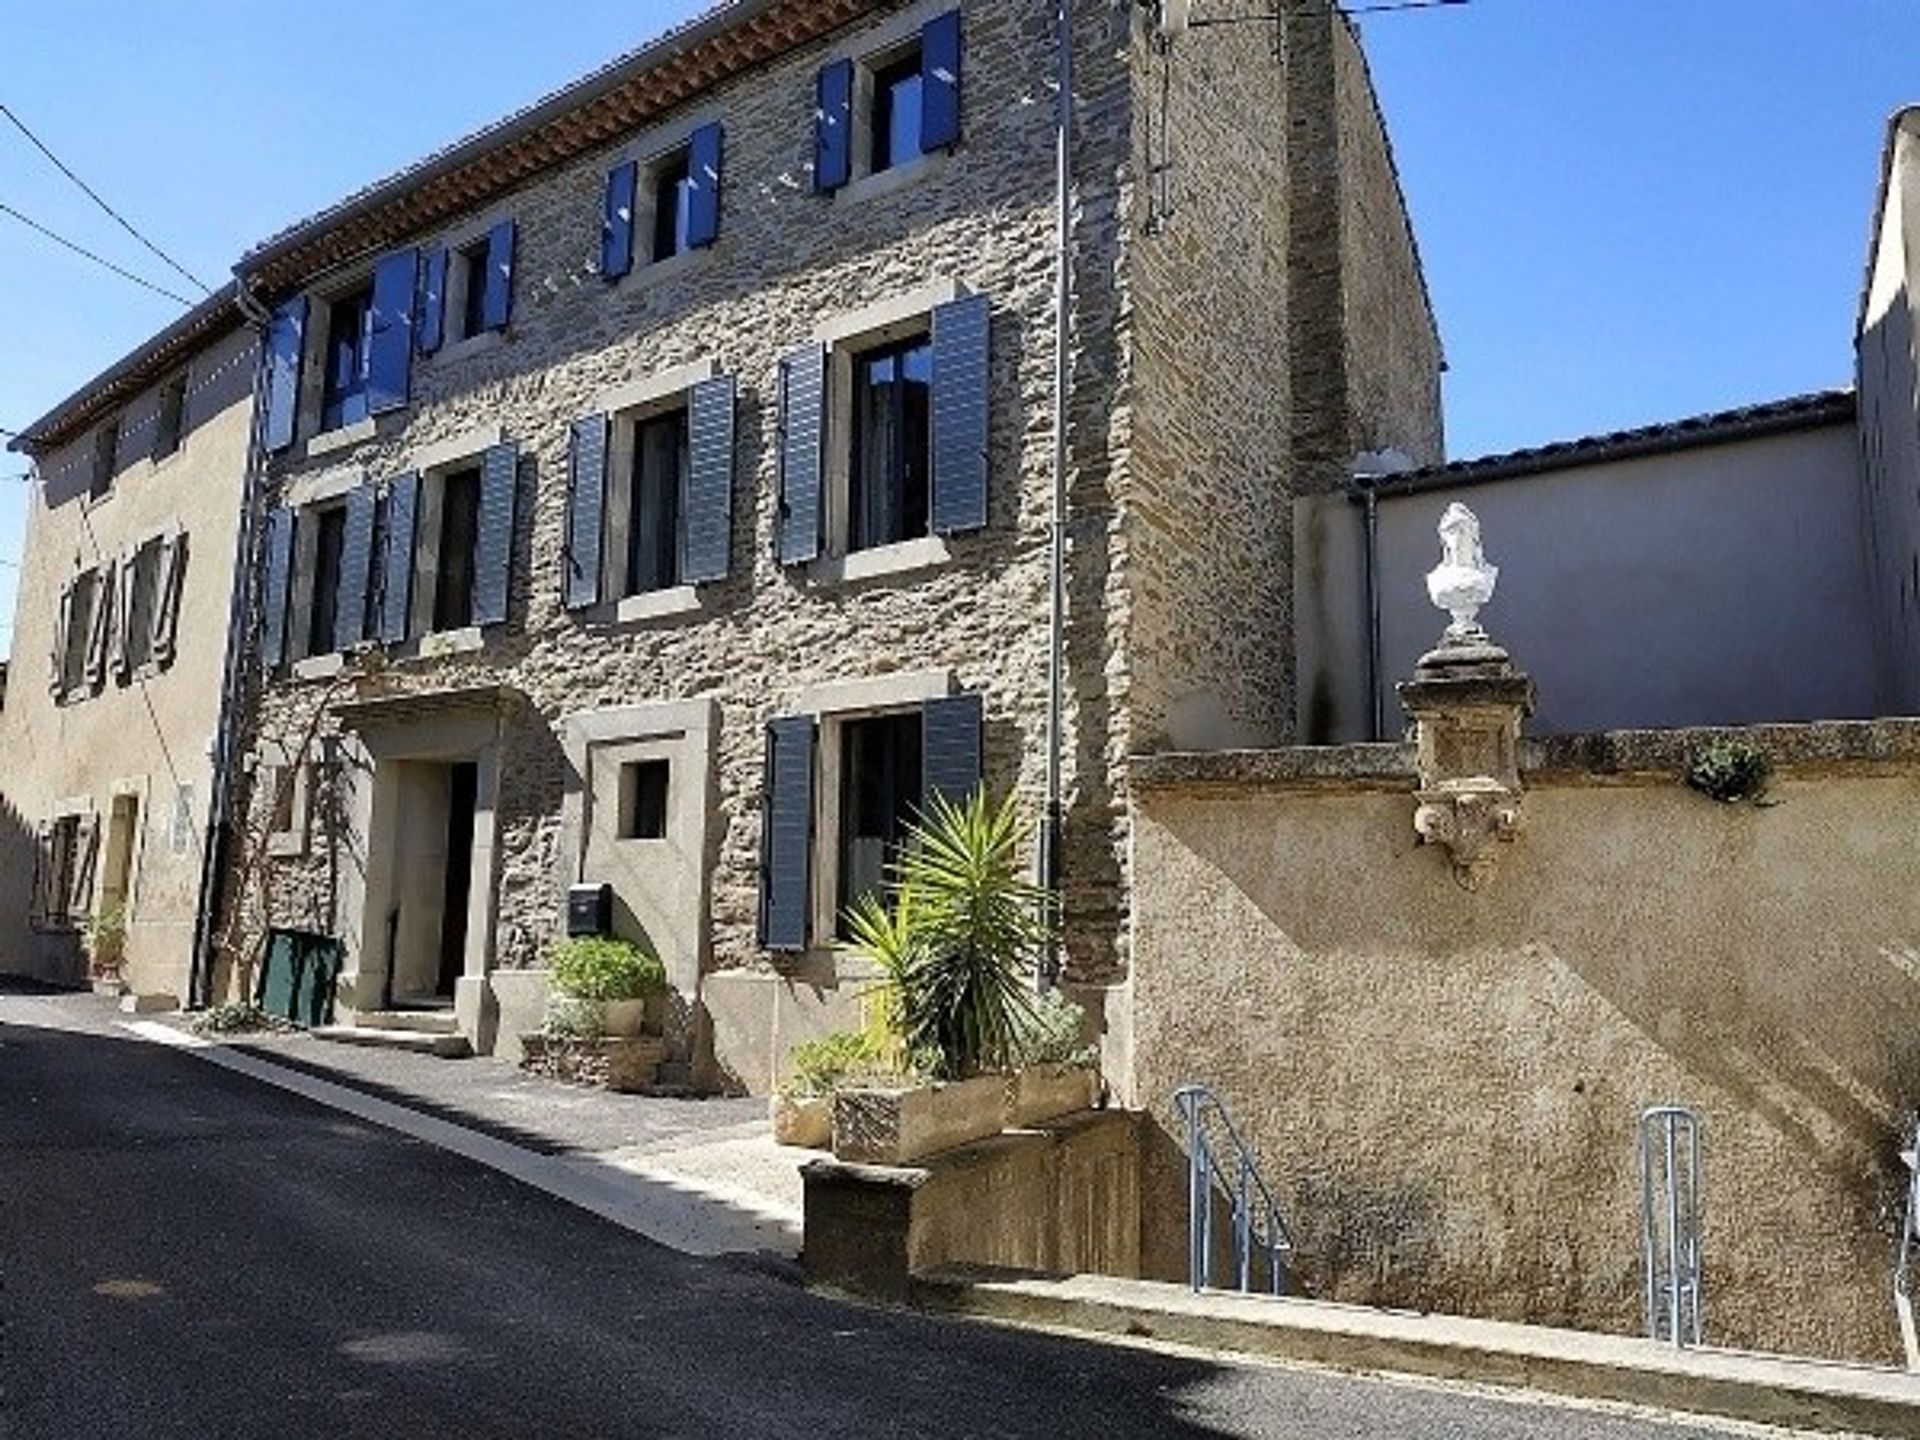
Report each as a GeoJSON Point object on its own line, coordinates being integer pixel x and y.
{"type": "Point", "coordinates": [520, 1000]}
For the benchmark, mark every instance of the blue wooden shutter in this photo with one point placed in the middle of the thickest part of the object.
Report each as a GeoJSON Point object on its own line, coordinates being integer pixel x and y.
{"type": "Point", "coordinates": [833, 127]}
{"type": "Point", "coordinates": [950, 748]}
{"type": "Point", "coordinates": [273, 591]}
{"type": "Point", "coordinates": [616, 222]}
{"type": "Point", "coordinates": [786, 838]}
{"type": "Point", "coordinates": [586, 510]}
{"type": "Point", "coordinates": [708, 504]}
{"type": "Point", "coordinates": [396, 586]}
{"type": "Point", "coordinates": [706, 153]}
{"type": "Point", "coordinates": [497, 303]}
{"type": "Point", "coordinates": [960, 414]}
{"type": "Point", "coordinates": [940, 82]}
{"type": "Point", "coordinates": [390, 351]}
{"type": "Point", "coordinates": [356, 561]}
{"type": "Point", "coordinates": [286, 339]}
{"type": "Point", "coordinates": [803, 395]}
{"type": "Point", "coordinates": [493, 550]}
{"type": "Point", "coordinates": [433, 302]}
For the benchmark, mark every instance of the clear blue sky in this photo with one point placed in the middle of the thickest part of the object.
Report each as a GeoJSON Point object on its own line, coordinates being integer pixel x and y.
{"type": "Point", "coordinates": [1630, 210]}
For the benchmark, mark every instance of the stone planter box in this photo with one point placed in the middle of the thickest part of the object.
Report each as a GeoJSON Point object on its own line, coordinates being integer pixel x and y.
{"type": "Point", "coordinates": [1041, 1093]}
{"type": "Point", "coordinates": [618, 1064]}
{"type": "Point", "coordinates": [806, 1121]}
{"type": "Point", "coordinates": [876, 1126]}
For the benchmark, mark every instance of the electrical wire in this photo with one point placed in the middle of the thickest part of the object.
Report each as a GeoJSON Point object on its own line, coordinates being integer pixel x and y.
{"type": "Point", "coordinates": [93, 195]}
{"type": "Point", "coordinates": [88, 254]}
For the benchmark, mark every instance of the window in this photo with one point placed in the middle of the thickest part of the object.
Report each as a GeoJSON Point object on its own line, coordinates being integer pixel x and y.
{"type": "Point", "coordinates": [672, 205]}
{"type": "Point", "coordinates": [329, 551]}
{"type": "Point", "coordinates": [653, 517]}
{"type": "Point", "coordinates": [879, 794]}
{"type": "Point", "coordinates": [470, 267]}
{"type": "Point", "coordinates": [643, 800]}
{"type": "Point", "coordinates": [891, 463]}
{"type": "Point", "coordinates": [61, 859]}
{"type": "Point", "coordinates": [106, 458]}
{"type": "Point", "coordinates": [170, 421]}
{"type": "Point", "coordinates": [454, 556]}
{"type": "Point", "coordinates": [143, 595]}
{"type": "Point", "coordinates": [82, 601]}
{"type": "Point", "coordinates": [894, 122]}
{"type": "Point", "coordinates": [348, 356]}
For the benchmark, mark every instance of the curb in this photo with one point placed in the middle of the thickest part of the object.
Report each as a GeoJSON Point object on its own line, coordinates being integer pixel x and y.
{"type": "Point", "coordinates": [1761, 1389]}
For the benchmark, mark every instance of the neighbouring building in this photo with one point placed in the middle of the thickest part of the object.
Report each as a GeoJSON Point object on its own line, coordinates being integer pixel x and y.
{"type": "Point", "coordinates": [120, 647]}
{"type": "Point", "coordinates": [659, 486]}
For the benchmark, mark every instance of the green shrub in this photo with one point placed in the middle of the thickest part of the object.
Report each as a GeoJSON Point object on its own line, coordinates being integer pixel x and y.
{"type": "Point", "coordinates": [1054, 1033]}
{"type": "Point", "coordinates": [819, 1067]}
{"type": "Point", "coordinates": [600, 967]}
{"type": "Point", "coordinates": [569, 1017]}
{"type": "Point", "coordinates": [1728, 770]}
{"type": "Point", "coordinates": [236, 1018]}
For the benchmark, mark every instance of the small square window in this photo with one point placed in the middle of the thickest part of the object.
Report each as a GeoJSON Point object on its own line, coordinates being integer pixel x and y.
{"type": "Point", "coordinates": [672, 181]}
{"type": "Point", "coordinates": [471, 280]}
{"type": "Point", "coordinates": [894, 121]}
{"type": "Point", "coordinates": [106, 457]}
{"type": "Point", "coordinates": [348, 356]}
{"type": "Point", "coordinates": [643, 800]}
{"type": "Point", "coordinates": [170, 422]}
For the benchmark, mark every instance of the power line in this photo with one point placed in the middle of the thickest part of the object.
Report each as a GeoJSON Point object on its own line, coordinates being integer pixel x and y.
{"type": "Point", "coordinates": [83, 251]}
{"type": "Point", "coordinates": [93, 195]}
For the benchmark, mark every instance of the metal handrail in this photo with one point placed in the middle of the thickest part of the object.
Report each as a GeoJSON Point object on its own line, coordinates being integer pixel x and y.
{"type": "Point", "coordinates": [1245, 1188]}
{"type": "Point", "coordinates": [1672, 1164]}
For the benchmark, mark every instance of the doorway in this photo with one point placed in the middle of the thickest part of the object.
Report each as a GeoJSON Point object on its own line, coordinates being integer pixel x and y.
{"type": "Point", "coordinates": [432, 880]}
{"type": "Point", "coordinates": [116, 878]}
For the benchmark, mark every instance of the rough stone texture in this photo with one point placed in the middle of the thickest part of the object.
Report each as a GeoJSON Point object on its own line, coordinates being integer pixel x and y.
{"type": "Point", "coordinates": [1443, 1086]}
{"type": "Point", "coordinates": [1178, 588]}
{"type": "Point", "coordinates": [623, 1065]}
{"type": "Point", "coordinates": [142, 738]}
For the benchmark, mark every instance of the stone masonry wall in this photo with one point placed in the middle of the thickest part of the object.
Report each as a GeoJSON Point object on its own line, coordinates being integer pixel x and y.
{"type": "Point", "coordinates": [785, 261]}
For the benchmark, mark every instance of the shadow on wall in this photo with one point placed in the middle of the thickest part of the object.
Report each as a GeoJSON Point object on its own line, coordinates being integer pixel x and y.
{"type": "Point", "coordinates": [41, 954]}
{"type": "Point", "coordinates": [1443, 1087]}
{"type": "Point", "coordinates": [1890, 439]}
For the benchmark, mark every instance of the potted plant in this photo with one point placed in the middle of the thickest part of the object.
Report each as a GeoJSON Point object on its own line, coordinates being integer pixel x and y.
{"type": "Point", "coordinates": [803, 1104]}
{"type": "Point", "coordinates": [955, 945]}
{"type": "Point", "coordinates": [105, 941]}
{"type": "Point", "coordinates": [616, 976]}
{"type": "Point", "coordinates": [1055, 1068]}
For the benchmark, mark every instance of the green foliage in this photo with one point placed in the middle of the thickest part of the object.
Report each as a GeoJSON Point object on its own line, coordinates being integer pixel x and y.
{"type": "Point", "coordinates": [105, 937]}
{"type": "Point", "coordinates": [1055, 1033]}
{"type": "Point", "coordinates": [235, 1018]}
{"type": "Point", "coordinates": [600, 967]}
{"type": "Point", "coordinates": [1729, 771]}
{"type": "Point", "coordinates": [570, 1017]}
{"type": "Point", "coordinates": [960, 939]}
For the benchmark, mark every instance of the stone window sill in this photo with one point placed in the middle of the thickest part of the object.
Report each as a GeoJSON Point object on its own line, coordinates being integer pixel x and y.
{"type": "Point", "coordinates": [652, 272]}
{"type": "Point", "coordinates": [885, 182]}
{"type": "Point", "coordinates": [287, 846]}
{"type": "Point", "coordinates": [466, 349]}
{"type": "Point", "coordinates": [450, 642]}
{"type": "Point", "coordinates": [925, 553]}
{"type": "Point", "coordinates": [329, 442]}
{"type": "Point", "coordinates": [665, 604]}
{"type": "Point", "coordinates": [319, 667]}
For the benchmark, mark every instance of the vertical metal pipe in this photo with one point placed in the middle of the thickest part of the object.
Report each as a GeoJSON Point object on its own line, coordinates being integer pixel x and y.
{"type": "Point", "coordinates": [1648, 1253]}
{"type": "Point", "coordinates": [1053, 822]}
{"type": "Point", "coordinates": [1674, 1272]}
{"type": "Point", "coordinates": [1243, 1232]}
{"type": "Point", "coordinates": [1376, 705]}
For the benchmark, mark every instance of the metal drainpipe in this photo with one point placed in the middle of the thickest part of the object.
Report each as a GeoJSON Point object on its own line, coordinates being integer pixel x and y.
{"type": "Point", "coordinates": [1376, 709]}
{"type": "Point", "coordinates": [1053, 824]}
{"type": "Point", "coordinates": [214, 851]}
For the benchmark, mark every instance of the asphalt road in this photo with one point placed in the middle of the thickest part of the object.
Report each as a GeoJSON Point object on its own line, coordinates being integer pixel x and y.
{"type": "Point", "coordinates": [184, 1252]}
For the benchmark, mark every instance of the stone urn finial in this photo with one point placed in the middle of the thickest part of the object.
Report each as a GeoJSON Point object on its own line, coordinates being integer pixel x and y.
{"type": "Point", "coordinates": [1462, 583]}
{"type": "Point", "coordinates": [1466, 701]}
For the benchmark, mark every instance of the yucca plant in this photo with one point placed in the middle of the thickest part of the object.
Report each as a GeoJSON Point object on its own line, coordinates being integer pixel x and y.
{"type": "Point", "coordinates": [961, 936]}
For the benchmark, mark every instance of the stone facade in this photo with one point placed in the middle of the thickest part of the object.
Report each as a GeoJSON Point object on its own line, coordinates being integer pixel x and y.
{"type": "Point", "coordinates": [125, 757]}
{"type": "Point", "coordinates": [1178, 432]}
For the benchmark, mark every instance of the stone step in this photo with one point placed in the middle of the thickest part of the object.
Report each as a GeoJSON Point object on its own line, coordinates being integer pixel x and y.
{"type": "Point", "coordinates": [418, 1042]}
{"type": "Point", "coordinates": [421, 1022]}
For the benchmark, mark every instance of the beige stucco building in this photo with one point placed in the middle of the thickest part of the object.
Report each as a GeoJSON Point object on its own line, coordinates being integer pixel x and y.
{"type": "Point", "coordinates": [661, 485]}
{"type": "Point", "coordinates": [120, 647]}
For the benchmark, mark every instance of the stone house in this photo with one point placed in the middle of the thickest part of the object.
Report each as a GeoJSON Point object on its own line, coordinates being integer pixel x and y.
{"type": "Point", "coordinates": [120, 649]}
{"type": "Point", "coordinates": [659, 486]}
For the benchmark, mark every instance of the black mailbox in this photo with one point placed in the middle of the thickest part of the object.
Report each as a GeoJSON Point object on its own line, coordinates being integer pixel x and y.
{"type": "Point", "coordinates": [590, 910]}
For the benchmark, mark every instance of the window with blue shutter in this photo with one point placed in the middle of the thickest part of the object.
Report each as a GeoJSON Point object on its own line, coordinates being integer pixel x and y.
{"type": "Point", "coordinates": [273, 590]}
{"type": "Point", "coordinates": [950, 748]}
{"type": "Point", "coordinates": [396, 584]}
{"type": "Point", "coordinates": [833, 127]}
{"type": "Point", "coordinates": [389, 363]}
{"type": "Point", "coordinates": [498, 306]}
{"type": "Point", "coordinates": [705, 156]}
{"type": "Point", "coordinates": [786, 840]}
{"type": "Point", "coordinates": [940, 82]}
{"type": "Point", "coordinates": [493, 550]}
{"type": "Point", "coordinates": [356, 567]}
{"type": "Point", "coordinates": [803, 387]}
{"type": "Point", "coordinates": [586, 510]}
{"type": "Point", "coordinates": [286, 339]}
{"type": "Point", "coordinates": [616, 223]}
{"type": "Point", "coordinates": [708, 507]}
{"type": "Point", "coordinates": [961, 354]}
{"type": "Point", "coordinates": [433, 301]}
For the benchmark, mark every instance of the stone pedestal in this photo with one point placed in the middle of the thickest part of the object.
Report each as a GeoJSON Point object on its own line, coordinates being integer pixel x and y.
{"type": "Point", "coordinates": [1466, 702]}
